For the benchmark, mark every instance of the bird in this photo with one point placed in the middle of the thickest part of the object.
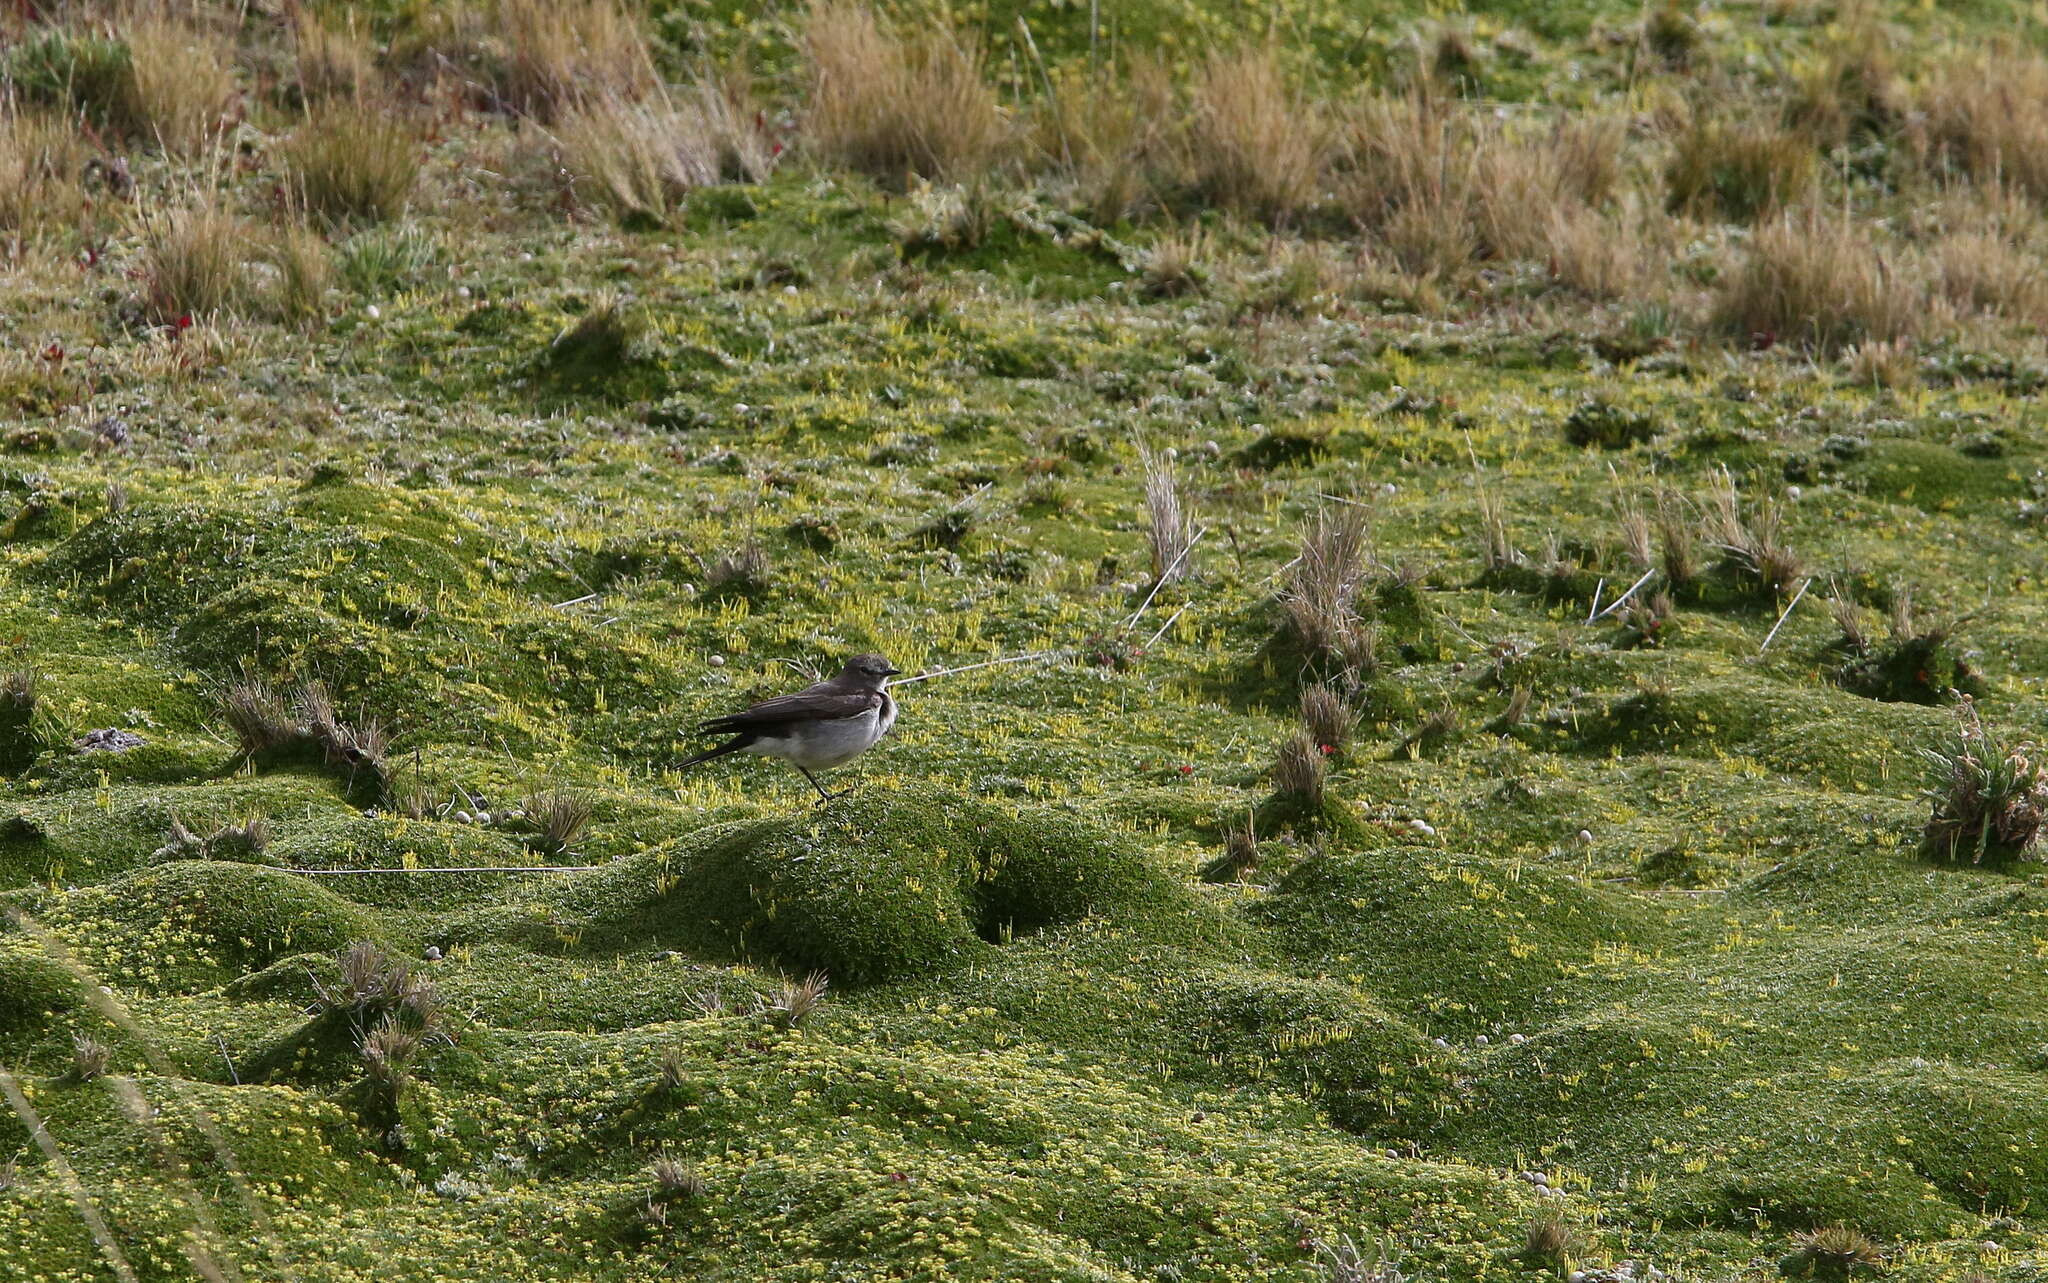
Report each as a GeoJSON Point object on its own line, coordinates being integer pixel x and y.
{"type": "Point", "coordinates": [826, 724]}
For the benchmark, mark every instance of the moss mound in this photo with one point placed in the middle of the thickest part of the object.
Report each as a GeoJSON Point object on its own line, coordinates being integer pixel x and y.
{"type": "Point", "coordinates": [872, 887]}
{"type": "Point", "coordinates": [33, 988]}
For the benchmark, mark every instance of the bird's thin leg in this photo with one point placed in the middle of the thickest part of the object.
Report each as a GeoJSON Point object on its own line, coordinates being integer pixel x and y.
{"type": "Point", "coordinates": [823, 796]}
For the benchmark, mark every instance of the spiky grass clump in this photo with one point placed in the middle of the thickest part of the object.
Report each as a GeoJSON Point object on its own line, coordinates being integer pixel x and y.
{"type": "Point", "coordinates": [257, 715]}
{"type": "Point", "coordinates": [20, 701]}
{"type": "Point", "coordinates": [1256, 142]}
{"type": "Point", "coordinates": [894, 106]}
{"type": "Point", "coordinates": [796, 1001]}
{"type": "Point", "coordinates": [182, 83]}
{"type": "Point", "coordinates": [305, 274]}
{"type": "Point", "coordinates": [559, 817]}
{"type": "Point", "coordinates": [1170, 531]}
{"type": "Point", "coordinates": [332, 63]}
{"type": "Point", "coordinates": [1752, 541]}
{"type": "Point", "coordinates": [1240, 855]}
{"type": "Point", "coordinates": [1915, 663]}
{"type": "Point", "coordinates": [676, 1179]}
{"type": "Point", "coordinates": [376, 987]}
{"type": "Point", "coordinates": [639, 160]}
{"type": "Point", "coordinates": [90, 1058]}
{"type": "Point", "coordinates": [1321, 599]}
{"type": "Point", "coordinates": [1551, 1240]}
{"type": "Point", "coordinates": [1834, 1252]}
{"type": "Point", "coordinates": [1328, 717]}
{"type": "Point", "coordinates": [1300, 770]}
{"type": "Point", "coordinates": [1987, 119]}
{"type": "Point", "coordinates": [554, 55]}
{"type": "Point", "coordinates": [1827, 282]}
{"type": "Point", "coordinates": [1739, 170]}
{"type": "Point", "coordinates": [347, 165]}
{"type": "Point", "coordinates": [1177, 264]}
{"type": "Point", "coordinates": [1989, 798]}
{"type": "Point", "coordinates": [42, 169]}
{"type": "Point", "coordinates": [194, 262]}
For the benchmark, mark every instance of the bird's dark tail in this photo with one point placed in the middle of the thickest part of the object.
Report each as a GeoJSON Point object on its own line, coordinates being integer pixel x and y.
{"type": "Point", "coordinates": [733, 745]}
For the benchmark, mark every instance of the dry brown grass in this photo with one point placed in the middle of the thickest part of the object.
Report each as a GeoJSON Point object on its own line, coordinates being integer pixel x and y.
{"type": "Point", "coordinates": [349, 164]}
{"type": "Point", "coordinates": [182, 88]}
{"type": "Point", "coordinates": [1299, 769]}
{"type": "Point", "coordinates": [192, 261]}
{"type": "Point", "coordinates": [1528, 182]}
{"type": "Point", "coordinates": [42, 168]}
{"type": "Point", "coordinates": [1987, 118]}
{"type": "Point", "coordinates": [1991, 271]}
{"type": "Point", "coordinates": [1741, 170]}
{"type": "Point", "coordinates": [641, 159]}
{"type": "Point", "coordinates": [893, 106]}
{"type": "Point", "coordinates": [1257, 143]}
{"type": "Point", "coordinates": [304, 273]}
{"type": "Point", "coordinates": [331, 62]}
{"type": "Point", "coordinates": [1320, 600]}
{"type": "Point", "coordinates": [1170, 529]}
{"type": "Point", "coordinates": [555, 54]}
{"type": "Point", "coordinates": [1821, 280]}
{"type": "Point", "coordinates": [1110, 138]}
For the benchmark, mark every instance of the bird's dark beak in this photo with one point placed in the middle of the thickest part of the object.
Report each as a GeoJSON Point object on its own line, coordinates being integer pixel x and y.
{"type": "Point", "coordinates": [891, 672]}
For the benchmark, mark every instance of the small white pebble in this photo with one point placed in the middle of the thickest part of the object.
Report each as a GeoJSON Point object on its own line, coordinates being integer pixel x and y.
{"type": "Point", "coordinates": [515, 814]}
{"type": "Point", "coordinates": [1442, 1042]}
{"type": "Point", "coordinates": [1423, 827]}
{"type": "Point", "coordinates": [462, 291]}
{"type": "Point", "coordinates": [1480, 1040]}
{"type": "Point", "coordinates": [1390, 489]}
{"type": "Point", "coordinates": [1576, 1276]}
{"type": "Point", "coordinates": [526, 258]}
{"type": "Point", "coordinates": [1213, 448]}
{"type": "Point", "coordinates": [464, 817]}
{"type": "Point", "coordinates": [718, 661]}
{"type": "Point", "coordinates": [1518, 1039]}
{"type": "Point", "coordinates": [483, 817]}
{"type": "Point", "coordinates": [433, 953]}
{"type": "Point", "coordinates": [1172, 453]}
{"type": "Point", "coordinates": [1793, 492]}
{"type": "Point", "coordinates": [740, 407]}
{"type": "Point", "coordinates": [1585, 837]}
{"type": "Point", "coordinates": [372, 312]}
{"type": "Point", "coordinates": [789, 289]}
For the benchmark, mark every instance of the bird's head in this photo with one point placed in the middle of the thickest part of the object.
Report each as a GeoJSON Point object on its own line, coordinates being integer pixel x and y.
{"type": "Point", "coordinates": [867, 672]}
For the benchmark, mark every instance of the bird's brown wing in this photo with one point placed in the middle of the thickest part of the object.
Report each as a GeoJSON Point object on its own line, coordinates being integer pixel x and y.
{"type": "Point", "coordinates": [804, 706]}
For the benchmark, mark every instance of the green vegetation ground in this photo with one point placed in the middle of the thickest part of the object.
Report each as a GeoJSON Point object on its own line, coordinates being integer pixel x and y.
{"type": "Point", "coordinates": [1637, 936]}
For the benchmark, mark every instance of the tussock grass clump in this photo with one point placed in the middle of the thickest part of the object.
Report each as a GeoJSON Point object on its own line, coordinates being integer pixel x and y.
{"type": "Point", "coordinates": [331, 63]}
{"type": "Point", "coordinates": [1752, 541]}
{"type": "Point", "coordinates": [90, 1058]}
{"type": "Point", "coordinates": [1328, 717]}
{"type": "Point", "coordinates": [1987, 119]}
{"type": "Point", "coordinates": [1815, 279]}
{"type": "Point", "coordinates": [1321, 597]}
{"type": "Point", "coordinates": [268, 725]}
{"type": "Point", "coordinates": [1990, 271]}
{"type": "Point", "coordinates": [182, 83]}
{"type": "Point", "coordinates": [1110, 139]}
{"type": "Point", "coordinates": [305, 272]}
{"type": "Point", "coordinates": [20, 700]}
{"type": "Point", "coordinates": [675, 1179]}
{"type": "Point", "coordinates": [1177, 264]}
{"type": "Point", "coordinates": [1738, 170]}
{"type": "Point", "coordinates": [193, 263]}
{"type": "Point", "coordinates": [559, 817]}
{"type": "Point", "coordinates": [90, 70]}
{"type": "Point", "coordinates": [1834, 1252]}
{"type": "Point", "coordinates": [1240, 855]}
{"type": "Point", "coordinates": [1256, 142]}
{"type": "Point", "coordinates": [1169, 532]}
{"type": "Point", "coordinates": [641, 158]}
{"type": "Point", "coordinates": [894, 106]}
{"type": "Point", "coordinates": [1989, 798]}
{"type": "Point", "coordinates": [1646, 620]}
{"type": "Point", "coordinates": [1550, 1239]}
{"type": "Point", "coordinates": [42, 173]}
{"type": "Point", "coordinates": [376, 988]}
{"type": "Point", "coordinates": [1915, 663]}
{"type": "Point", "coordinates": [795, 1001]}
{"type": "Point", "coordinates": [740, 569]}
{"type": "Point", "coordinates": [556, 54]}
{"type": "Point", "coordinates": [348, 165]}
{"type": "Point", "coordinates": [1300, 769]}
{"type": "Point", "coordinates": [257, 715]}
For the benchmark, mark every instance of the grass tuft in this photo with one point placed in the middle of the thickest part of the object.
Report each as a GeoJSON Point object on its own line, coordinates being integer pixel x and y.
{"type": "Point", "coordinates": [1256, 142]}
{"type": "Point", "coordinates": [1835, 1251]}
{"type": "Point", "coordinates": [90, 1058]}
{"type": "Point", "coordinates": [1320, 599]}
{"type": "Point", "coordinates": [1169, 533]}
{"type": "Point", "coordinates": [348, 165]}
{"type": "Point", "coordinates": [1810, 278]}
{"type": "Point", "coordinates": [1299, 770]}
{"type": "Point", "coordinates": [893, 106]}
{"type": "Point", "coordinates": [796, 1001]}
{"type": "Point", "coordinates": [559, 817]}
{"type": "Point", "coordinates": [1989, 798]}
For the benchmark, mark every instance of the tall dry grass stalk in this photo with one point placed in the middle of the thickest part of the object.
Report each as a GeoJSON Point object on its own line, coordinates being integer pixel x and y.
{"type": "Point", "coordinates": [893, 106]}
{"type": "Point", "coordinates": [1170, 532]}
{"type": "Point", "coordinates": [331, 62]}
{"type": "Point", "coordinates": [1110, 137]}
